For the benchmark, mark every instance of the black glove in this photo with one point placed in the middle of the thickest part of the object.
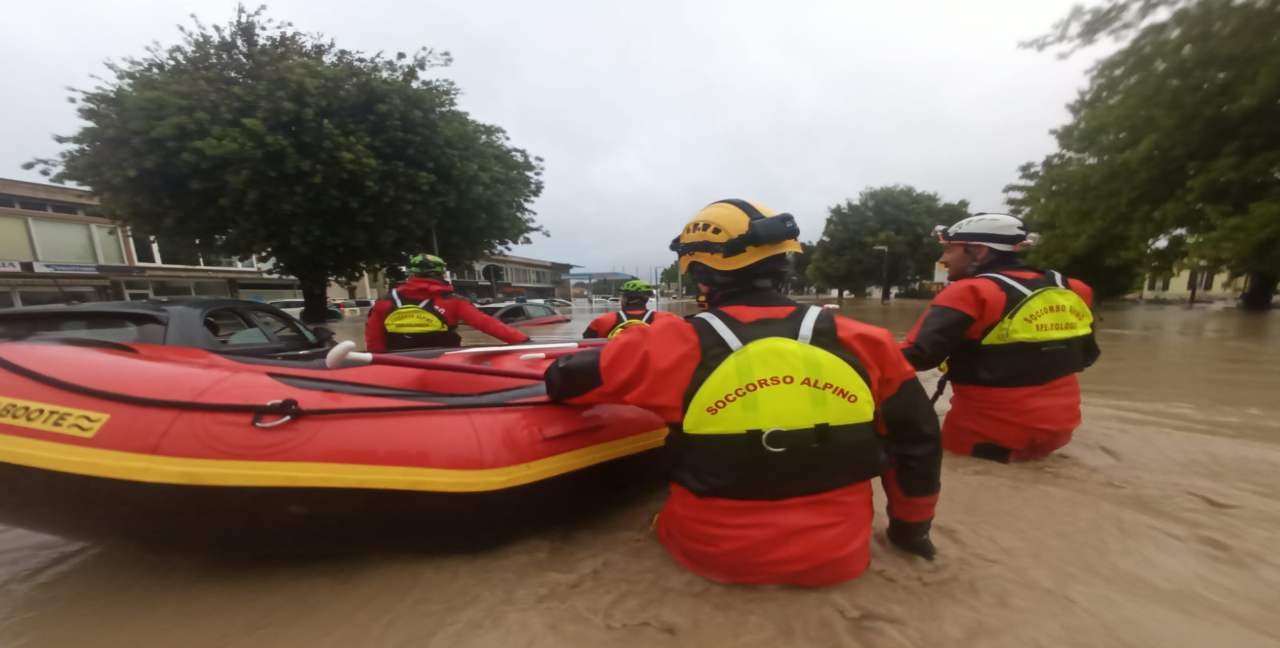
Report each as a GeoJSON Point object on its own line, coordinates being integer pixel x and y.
{"type": "Point", "coordinates": [912, 537]}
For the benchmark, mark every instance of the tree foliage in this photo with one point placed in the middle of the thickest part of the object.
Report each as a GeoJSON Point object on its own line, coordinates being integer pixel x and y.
{"type": "Point", "coordinates": [799, 280]}
{"type": "Point", "coordinates": [1177, 135]}
{"type": "Point", "coordinates": [256, 139]}
{"type": "Point", "coordinates": [671, 274]}
{"type": "Point", "coordinates": [897, 217]}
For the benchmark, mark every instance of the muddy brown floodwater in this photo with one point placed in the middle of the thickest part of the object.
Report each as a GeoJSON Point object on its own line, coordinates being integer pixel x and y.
{"type": "Point", "coordinates": [1157, 526]}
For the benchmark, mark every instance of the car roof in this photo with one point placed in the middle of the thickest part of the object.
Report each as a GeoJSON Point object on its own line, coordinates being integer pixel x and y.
{"type": "Point", "coordinates": [156, 306]}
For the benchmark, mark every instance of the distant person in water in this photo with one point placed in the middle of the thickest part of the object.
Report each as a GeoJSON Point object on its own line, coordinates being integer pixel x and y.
{"type": "Point", "coordinates": [634, 312]}
{"type": "Point", "coordinates": [423, 312]}
{"type": "Point", "coordinates": [1012, 337]}
{"type": "Point", "coordinates": [780, 415]}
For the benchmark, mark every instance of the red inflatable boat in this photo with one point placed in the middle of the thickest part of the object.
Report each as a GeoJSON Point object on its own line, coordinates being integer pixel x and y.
{"type": "Point", "coordinates": [152, 442]}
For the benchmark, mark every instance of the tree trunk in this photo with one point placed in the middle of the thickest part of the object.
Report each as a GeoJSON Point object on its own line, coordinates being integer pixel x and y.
{"type": "Point", "coordinates": [840, 296]}
{"type": "Point", "coordinates": [884, 293]}
{"type": "Point", "coordinates": [1262, 287]}
{"type": "Point", "coordinates": [316, 304]}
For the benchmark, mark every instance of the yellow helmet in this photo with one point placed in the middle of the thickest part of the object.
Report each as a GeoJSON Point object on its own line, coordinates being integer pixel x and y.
{"type": "Point", "coordinates": [732, 234]}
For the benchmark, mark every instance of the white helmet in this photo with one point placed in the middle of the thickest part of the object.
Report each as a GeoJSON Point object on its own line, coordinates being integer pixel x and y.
{"type": "Point", "coordinates": [996, 231]}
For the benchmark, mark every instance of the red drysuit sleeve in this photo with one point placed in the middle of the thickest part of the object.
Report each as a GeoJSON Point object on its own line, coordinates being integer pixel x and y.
{"type": "Point", "coordinates": [649, 367]}
{"type": "Point", "coordinates": [461, 310]}
{"type": "Point", "coordinates": [375, 334]}
{"type": "Point", "coordinates": [908, 422]}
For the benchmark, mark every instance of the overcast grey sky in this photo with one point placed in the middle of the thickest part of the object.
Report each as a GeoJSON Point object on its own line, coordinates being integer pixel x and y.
{"type": "Point", "coordinates": [645, 111]}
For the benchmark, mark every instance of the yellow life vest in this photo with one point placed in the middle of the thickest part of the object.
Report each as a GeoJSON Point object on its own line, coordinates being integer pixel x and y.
{"type": "Point", "coordinates": [626, 322]}
{"type": "Point", "coordinates": [414, 319]}
{"type": "Point", "coordinates": [1043, 315]}
{"type": "Point", "coordinates": [1045, 334]}
{"type": "Point", "coordinates": [780, 416]}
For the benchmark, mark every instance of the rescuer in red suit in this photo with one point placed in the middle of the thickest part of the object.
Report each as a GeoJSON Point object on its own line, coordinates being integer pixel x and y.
{"type": "Point", "coordinates": [634, 311]}
{"type": "Point", "coordinates": [422, 313]}
{"type": "Point", "coordinates": [780, 415]}
{"type": "Point", "coordinates": [1013, 338]}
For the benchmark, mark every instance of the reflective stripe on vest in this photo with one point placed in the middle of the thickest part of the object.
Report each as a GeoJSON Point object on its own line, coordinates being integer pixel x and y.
{"type": "Point", "coordinates": [627, 322]}
{"type": "Point", "coordinates": [413, 319]}
{"type": "Point", "coordinates": [777, 383]}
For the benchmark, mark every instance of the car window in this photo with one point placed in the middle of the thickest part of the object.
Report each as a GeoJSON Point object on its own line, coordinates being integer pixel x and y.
{"type": "Point", "coordinates": [110, 327]}
{"type": "Point", "coordinates": [538, 310]}
{"type": "Point", "coordinates": [284, 330]}
{"type": "Point", "coordinates": [229, 329]}
{"type": "Point", "coordinates": [512, 314]}
{"type": "Point", "coordinates": [490, 310]}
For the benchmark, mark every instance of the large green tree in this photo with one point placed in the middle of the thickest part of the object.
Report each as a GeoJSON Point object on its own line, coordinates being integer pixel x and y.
{"type": "Point", "coordinates": [253, 138]}
{"type": "Point", "coordinates": [887, 233]}
{"type": "Point", "coordinates": [1176, 136]}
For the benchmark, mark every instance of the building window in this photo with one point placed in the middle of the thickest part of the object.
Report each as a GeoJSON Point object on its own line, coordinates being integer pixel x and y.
{"type": "Point", "coordinates": [66, 242]}
{"type": "Point", "coordinates": [46, 296]}
{"type": "Point", "coordinates": [142, 250]}
{"type": "Point", "coordinates": [33, 205]}
{"type": "Point", "coordinates": [15, 245]}
{"type": "Point", "coordinates": [212, 289]}
{"type": "Point", "coordinates": [1164, 284]}
{"type": "Point", "coordinates": [8, 201]}
{"type": "Point", "coordinates": [168, 288]}
{"type": "Point", "coordinates": [109, 244]}
{"type": "Point", "coordinates": [6, 299]}
{"type": "Point", "coordinates": [64, 209]}
{"type": "Point", "coordinates": [177, 251]}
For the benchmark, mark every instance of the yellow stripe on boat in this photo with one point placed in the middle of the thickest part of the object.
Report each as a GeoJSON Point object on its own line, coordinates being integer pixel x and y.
{"type": "Point", "coordinates": [158, 469]}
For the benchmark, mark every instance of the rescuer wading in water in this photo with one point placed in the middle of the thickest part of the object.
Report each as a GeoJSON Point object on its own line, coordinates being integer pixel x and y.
{"type": "Point", "coordinates": [1013, 338]}
{"type": "Point", "coordinates": [780, 415]}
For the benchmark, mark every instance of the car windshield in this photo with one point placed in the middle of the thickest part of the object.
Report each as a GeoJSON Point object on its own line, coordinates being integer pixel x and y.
{"type": "Point", "coordinates": [110, 327]}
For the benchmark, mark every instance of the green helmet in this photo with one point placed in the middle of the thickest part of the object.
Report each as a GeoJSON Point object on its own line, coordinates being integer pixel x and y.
{"type": "Point", "coordinates": [427, 264]}
{"type": "Point", "coordinates": [637, 286]}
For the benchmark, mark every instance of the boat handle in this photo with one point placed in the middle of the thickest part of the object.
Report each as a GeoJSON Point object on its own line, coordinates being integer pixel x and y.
{"type": "Point", "coordinates": [259, 423]}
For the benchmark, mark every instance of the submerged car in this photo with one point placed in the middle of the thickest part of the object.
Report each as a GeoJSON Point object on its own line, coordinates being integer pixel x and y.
{"type": "Point", "coordinates": [553, 301]}
{"type": "Point", "coordinates": [229, 326]}
{"type": "Point", "coordinates": [529, 314]}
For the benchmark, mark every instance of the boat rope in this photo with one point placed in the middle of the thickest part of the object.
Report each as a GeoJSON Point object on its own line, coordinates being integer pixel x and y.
{"type": "Point", "coordinates": [284, 410]}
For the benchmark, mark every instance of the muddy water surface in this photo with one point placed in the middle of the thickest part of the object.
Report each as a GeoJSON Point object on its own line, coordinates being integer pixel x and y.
{"type": "Point", "coordinates": [1156, 526]}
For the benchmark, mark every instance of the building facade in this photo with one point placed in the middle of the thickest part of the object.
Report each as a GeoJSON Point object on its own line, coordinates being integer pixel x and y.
{"type": "Point", "coordinates": [54, 248]}
{"type": "Point", "coordinates": [503, 277]}
{"type": "Point", "coordinates": [1207, 285]}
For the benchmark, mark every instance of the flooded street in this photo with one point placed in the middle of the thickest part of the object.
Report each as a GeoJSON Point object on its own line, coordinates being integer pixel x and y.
{"type": "Point", "coordinates": [1156, 526]}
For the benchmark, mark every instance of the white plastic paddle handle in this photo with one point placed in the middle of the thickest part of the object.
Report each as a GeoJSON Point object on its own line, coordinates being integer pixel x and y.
{"type": "Point", "coordinates": [344, 353]}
